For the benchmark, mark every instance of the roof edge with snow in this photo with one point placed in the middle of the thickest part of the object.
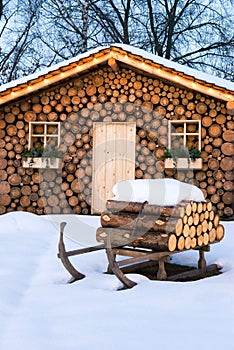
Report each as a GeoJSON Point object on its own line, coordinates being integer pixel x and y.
{"type": "Point", "coordinates": [137, 58]}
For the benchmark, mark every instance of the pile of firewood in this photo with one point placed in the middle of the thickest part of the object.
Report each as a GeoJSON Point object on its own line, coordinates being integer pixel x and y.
{"type": "Point", "coordinates": [187, 225]}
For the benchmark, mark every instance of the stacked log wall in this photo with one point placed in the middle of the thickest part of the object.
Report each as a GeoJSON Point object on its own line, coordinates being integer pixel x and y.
{"type": "Point", "coordinates": [104, 95]}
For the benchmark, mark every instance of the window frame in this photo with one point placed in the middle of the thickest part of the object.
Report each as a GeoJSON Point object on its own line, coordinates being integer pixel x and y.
{"type": "Point", "coordinates": [45, 135]}
{"type": "Point", "coordinates": [184, 133]}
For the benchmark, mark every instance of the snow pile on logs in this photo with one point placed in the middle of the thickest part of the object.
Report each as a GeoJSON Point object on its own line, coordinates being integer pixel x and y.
{"type": "Point", "coordinates": [180, 226]}
{"type": "Point", "coordinates": [157, 191]}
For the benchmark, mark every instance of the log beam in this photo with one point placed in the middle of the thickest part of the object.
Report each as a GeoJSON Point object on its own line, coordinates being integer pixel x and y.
{"type": "Point", "coordinates": [113, 64]}
{"type": "Point", "coordinates": [230, 107]}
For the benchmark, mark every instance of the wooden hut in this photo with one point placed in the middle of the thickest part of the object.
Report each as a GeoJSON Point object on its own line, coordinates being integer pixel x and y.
{"type": "Point", "coordinates": [112, 112]}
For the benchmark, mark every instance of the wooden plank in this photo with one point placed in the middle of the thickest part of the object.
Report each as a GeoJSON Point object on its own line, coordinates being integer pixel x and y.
{"type": "Point", "coordinates": [84, 250]}
{"type": "Point", "coordinates": [98, 172]}
{"type": "Point", "coordinates": [130, 251]}
{"type": "Point", "coordinates": [150, 256]}
{"type": "Point", "coordinates": [140, 265]}
{"type": "Point", "coordinates": [113, 159]}
{"type": "Point", "coordinates": [193, 273]}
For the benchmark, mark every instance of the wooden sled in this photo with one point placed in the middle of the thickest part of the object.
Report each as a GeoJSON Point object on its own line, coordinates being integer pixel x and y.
{"type": "Point", "coordinates": [76, 275]}
{"type": "Point", "coordinates": [135, 258]}
{"type": "Point", "coordinates": [135, 255]}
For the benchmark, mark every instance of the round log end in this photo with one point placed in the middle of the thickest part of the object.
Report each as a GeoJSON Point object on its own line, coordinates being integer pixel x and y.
{"type": "Point", "coordinates": [172, 242]}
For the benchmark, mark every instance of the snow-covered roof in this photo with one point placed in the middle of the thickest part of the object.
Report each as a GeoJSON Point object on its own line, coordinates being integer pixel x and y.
{"type": "Point", "coordinates": [47, 70]}
{"type": "Point", "coordinates": [179, 67]}
{"type": "Point", "coordinates": [132, 56]}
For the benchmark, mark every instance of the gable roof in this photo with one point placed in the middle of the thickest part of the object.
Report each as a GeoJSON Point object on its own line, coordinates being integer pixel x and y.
{"type": "Point", "coordinates": [137, 58]}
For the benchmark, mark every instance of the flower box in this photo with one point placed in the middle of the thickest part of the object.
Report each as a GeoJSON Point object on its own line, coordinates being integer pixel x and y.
{"type": "Point", "coordinates": [183, 163]}
{"type": "Point", "coordinates": [195, 164]}
{"type": "Point", "coordinates": [40, 162]}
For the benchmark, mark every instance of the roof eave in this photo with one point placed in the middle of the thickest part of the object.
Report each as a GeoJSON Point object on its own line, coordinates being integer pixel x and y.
{"type": "Point", "coordinates": [103, 55]}
{"type": "Point", "coordinates": [173, 76]}
{"type": "Point", "coordinates": [44, 81]}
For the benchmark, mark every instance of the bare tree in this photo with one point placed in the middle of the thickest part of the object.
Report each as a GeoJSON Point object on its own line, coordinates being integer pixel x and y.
{"type": "Point", "coordinates": [19, 48]}
{"type": "Point", "coordinates": [1, 8]}
{"type": "Point", "coordinates": [63, 27]}
{"type": "Point", "coordinates": [114, 17]}
{"type": "Point", "coordinates": [84, 6]}
{"type": "Point", "coordinates": [38, 33]}
{"type": "Point", "coordinates": [195, 33]}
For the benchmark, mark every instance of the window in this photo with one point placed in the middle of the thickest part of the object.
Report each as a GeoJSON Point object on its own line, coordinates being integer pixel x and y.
{"type": "Point", "coordinates": [42, 150]}
{"type": "Point", "coordinates": [42, 134]}
{"type": "Point", "coordinates": [184, 133]}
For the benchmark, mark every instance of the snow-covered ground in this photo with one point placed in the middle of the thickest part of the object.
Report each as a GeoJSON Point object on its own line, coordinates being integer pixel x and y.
{"type": "Point", "coordinates": [40, 311]}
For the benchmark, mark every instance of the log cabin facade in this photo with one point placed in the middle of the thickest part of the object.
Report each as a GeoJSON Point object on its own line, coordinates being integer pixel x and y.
{"type": "Point", "coordinates": [112, 112]}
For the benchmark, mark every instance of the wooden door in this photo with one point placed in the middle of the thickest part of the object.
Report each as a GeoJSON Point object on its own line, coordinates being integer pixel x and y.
{"type": "Point", "coordinates": [113, 159]}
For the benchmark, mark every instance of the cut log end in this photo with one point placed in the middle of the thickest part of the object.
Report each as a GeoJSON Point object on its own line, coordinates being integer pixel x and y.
{"type": "Point", "coordinates": [106, 218]}
{"type": "Point", "coordinates": [219, 232]}
{"type": "Point", "coordinates": [172, 242]}
{"type": "Point", "coordinates": [181, 243]}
